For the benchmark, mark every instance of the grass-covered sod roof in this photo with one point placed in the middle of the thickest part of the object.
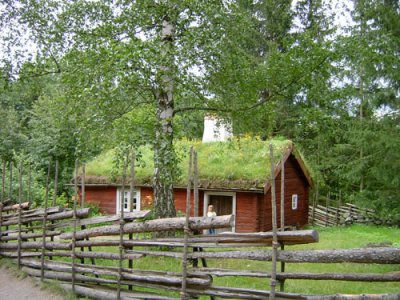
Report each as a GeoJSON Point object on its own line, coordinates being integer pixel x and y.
{"type": "Point", "coordinates": [239, 163]}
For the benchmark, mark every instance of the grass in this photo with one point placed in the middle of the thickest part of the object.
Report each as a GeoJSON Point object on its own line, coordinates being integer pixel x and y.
{"type": "Point", "coordinates": [248, 161]}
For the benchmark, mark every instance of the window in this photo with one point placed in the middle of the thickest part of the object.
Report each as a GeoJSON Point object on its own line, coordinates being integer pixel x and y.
{"type": "Point", "coordinates": [134, 205]}
{"type": "Point", "coordinates": [294, 201]}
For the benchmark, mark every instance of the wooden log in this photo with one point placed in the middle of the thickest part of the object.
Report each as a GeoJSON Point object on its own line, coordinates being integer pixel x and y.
{"type": "Point", "coordinates": [170, 224]}
{"type": "Point", "coordinates": [168, 280]}
{"type": "Point", "coordinates": [178, 255]}
{"type": "Point", "coordinates": [37, 245]}
{"type": "Point", "coordinates": [103, 255]}
{"type": "Point", "coordinates": [285, 237]}
{"type": "Point", "coordinates": [363, 255]}
{"type": "Point", "coordinates": [233, 239]}
{"type": "Point", "coordinates": [356, 297]}
{"type": "Point", "coordinates": [224, 292]}
{"type": "Point", "coordinates": [242, 293]}
{"type": "Point", "coordinates": [97, 292]}
{"type": "Point", "coordinates": [103, 219]}
{"type": "Point", "coordinates": [35, 212]}
{"type": "Point", "coordinates": [363, 277]}
{"type": "Point", "coordinates": [81, 213]}
{"type": "Point", "coordinates": [160, 277]}
{"type": "Point", "coordinates": [217, 241]}
{"type": "Point", "coordinates": [23, 254]}
{"type": "Point", "coordinates": [128, 216]}
{"type": "Point", "coordinates": [219, 291]}
{"type": "Point", "coordinates": [238, 293]}
{"type": "Point", "coordinates": [24, 205]}
{"type": "Point", "coordinates": [220, 240]}
{"type": "Point", "coordinates": [30, 236]}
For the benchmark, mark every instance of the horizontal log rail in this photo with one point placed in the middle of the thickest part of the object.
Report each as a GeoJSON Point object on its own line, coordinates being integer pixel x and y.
{"type": "Point", "coordinates": [34, 212]}
{"type": "Point", "coordinates": [79, 254]}
{"type": "Point", "coordinates": [260, 239]}
{"type": "Point", "coordinates": [37, 246]}
{"type": "Point", "coordinates": [26, 236]}
{"type": "Point", "coordinates": [80, 213]}
{"type": "Point", "coordinates": [364, 277]}
{"type": "Point", "coordinates": [24, 205]}
{"type": "Point", "coordinates": [364, 255]}
{"type": "Point", "coordinates": [97, 292]}
{"type": "Point", "coordinates": [205, 241]}
{"type": "Point", "coordinates": [128, 216]}
{"type": "Point", "coordinates": [158, 225]}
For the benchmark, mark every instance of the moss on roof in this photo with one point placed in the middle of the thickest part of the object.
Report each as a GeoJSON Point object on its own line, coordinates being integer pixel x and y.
{"type": "Point", "coordinates": [238, 163]}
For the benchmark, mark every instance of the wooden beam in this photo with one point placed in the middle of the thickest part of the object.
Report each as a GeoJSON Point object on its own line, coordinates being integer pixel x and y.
{"type": "Point", "coordinates": [170, 224]}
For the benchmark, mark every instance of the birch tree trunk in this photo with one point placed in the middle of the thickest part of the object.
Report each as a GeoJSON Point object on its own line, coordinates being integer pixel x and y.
{"type": "Point", "coordinates": [164, 154]}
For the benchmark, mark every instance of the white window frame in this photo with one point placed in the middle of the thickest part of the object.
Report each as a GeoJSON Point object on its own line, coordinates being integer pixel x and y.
{"type": "Point", "coordinates": [207, 200]}
{"type": "Point", "coordinates": [295, 201]}
{"type": "Point", "coordinates": [127, 196]}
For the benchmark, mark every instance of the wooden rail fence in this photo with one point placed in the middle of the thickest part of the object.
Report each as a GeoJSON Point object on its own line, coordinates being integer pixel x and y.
{"type": "Point", "coordinates": [325, 216]}
{"type": "Point", "coordinates": [86, 260]}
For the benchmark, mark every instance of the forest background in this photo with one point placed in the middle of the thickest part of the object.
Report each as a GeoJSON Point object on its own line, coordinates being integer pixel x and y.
{"type": "Point", "coordinates": [80, 77]}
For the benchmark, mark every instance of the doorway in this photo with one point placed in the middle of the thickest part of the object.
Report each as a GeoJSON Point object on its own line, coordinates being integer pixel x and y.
{"type": "Point", "coordinates": [224, 204]}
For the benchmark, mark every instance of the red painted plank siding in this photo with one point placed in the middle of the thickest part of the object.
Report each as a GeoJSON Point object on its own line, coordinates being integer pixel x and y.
{"type": "Point", "coordinates": [180, 201]}
{"type": "Point", "coordinates": [247, 212]}
{"type": "Point", "coordinates": [295, 183]}
{"type": "Point", "coordinates": [104, 197]}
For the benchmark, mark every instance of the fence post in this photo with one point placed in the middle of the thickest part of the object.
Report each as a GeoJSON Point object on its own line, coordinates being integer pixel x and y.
{"type": "Point", "coordinates": [1, 221]}
{"type": "Point", "coordinates": [282, 281]}
{"type": "Point", "coordinates": [3, 181]}
{"type": "Point", "coordinates": [19, 214]}
{"type": "Point", "coordinates": [3, 189]}
{"type": "Point", "coordinates": [73, 254]}
{"type": "Point", "coordinates": [340, 206]}
{"type": "Point", "coordinates": [132, 191]}
{"type": "Point", "coordinates": [46, 200]}
{"type": "Point", "coordinates": [55, 184]}
{"type": "Point", "coordinates": [30, 184]}
{"type": "Point", "coordinates": [274, 224]}
{"type": "Point", "coordinates": [83, 187]}
{"type": "Point", "coordinates": [184, 294]}
{"type": "Point", "coordinates": [195, 185]}
{"type": "Point", "coordinates": [121, 226]}
{"type": "Point", "coordinates": [10, 195]}
{"type": "Point", "coordinates": [327, 211]}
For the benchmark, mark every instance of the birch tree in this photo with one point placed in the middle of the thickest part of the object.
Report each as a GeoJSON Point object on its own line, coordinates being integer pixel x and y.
{"type": "Point", "coordinates": [116, 56]}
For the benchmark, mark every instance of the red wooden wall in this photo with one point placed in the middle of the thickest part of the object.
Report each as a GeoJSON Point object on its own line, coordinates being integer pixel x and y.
{"type": "Point", "coordinates": [295, 183]}
{"type": "Point", "coordinates": [104, 197]}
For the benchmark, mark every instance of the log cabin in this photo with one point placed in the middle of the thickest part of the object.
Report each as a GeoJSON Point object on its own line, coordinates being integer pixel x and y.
{"type": "Point", "coordinates": [234, 176]}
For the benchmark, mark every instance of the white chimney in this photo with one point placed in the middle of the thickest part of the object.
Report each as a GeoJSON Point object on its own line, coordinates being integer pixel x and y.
{"type": "Point", "coordinates": [216, 130]}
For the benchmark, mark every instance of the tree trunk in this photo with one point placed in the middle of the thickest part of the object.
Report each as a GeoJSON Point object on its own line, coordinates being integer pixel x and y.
{"type": "Point", "coordinates": [164, 154]}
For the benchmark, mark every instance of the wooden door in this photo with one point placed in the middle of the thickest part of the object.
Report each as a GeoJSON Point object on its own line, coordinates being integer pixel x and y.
{"type": "Point", "coordinates": [222, 204]}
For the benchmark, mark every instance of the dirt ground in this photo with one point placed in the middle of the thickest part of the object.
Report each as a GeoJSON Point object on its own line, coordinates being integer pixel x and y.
{"type": "Point", "coordinates": [13, 288]}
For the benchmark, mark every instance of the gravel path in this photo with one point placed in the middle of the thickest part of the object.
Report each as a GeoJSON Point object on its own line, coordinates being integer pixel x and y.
{"type": "Point", "coordinates": [13, 288]}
